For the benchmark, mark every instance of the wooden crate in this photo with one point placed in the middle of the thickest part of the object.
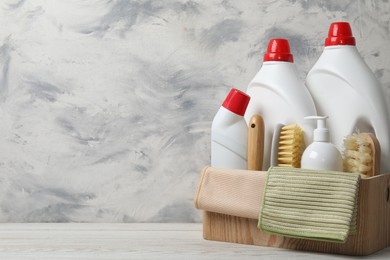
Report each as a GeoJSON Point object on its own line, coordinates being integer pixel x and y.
{"type": "Point", "coordinates": [373, 226]}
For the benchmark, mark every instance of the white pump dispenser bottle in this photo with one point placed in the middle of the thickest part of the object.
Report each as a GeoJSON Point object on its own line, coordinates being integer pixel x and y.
{"type": "Point", "coordinates": [321, 154]}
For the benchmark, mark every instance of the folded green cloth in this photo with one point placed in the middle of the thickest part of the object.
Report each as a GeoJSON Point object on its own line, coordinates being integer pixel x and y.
{"type": "Point", "coordinates": [310, 204]}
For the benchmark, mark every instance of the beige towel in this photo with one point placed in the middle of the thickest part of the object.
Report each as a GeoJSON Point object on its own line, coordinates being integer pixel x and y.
{"type": "Point", "coordinates": [231, 192]}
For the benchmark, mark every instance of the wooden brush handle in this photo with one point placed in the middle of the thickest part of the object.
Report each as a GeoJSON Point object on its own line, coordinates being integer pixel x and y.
{"type": "Point", "coordinates": [375, 153]}
{"type": "Point", "coordinates": [255, 143]}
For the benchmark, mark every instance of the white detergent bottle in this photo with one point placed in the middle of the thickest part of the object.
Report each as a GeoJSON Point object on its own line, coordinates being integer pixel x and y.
{"type": "Point", "coordinates": [344, 88]}
{"type": "Point", "coordinates": [321, 154]}
{"type": "Point", "coordinates": [278, 95]}
{"type": "Point", "coordinates": [229, 133]}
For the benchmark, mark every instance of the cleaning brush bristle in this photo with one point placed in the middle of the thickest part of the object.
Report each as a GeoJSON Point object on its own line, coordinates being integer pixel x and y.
{"type": "Point", "coordinates": [291, 145]}
{"type": "Point", "coordinates": [361, 152]}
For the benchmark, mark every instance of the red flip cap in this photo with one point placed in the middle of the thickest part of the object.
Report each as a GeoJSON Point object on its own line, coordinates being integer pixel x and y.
{"type": "Point", "coordinates": [278, 50]}
{"type": "Point", "coordinates": [340, 33]}
{"type": "Point", "coordinates": [236, 102]}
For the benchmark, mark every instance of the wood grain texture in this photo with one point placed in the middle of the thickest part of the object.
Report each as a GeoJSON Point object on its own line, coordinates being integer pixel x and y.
{"type": "Point", "coordinates": [255, 143]}
{"type": "Point", "coordinates": [375, 153]}
{"type": "Point", "coordinates": [373, 226]}
{"type": "Point", "coordinates": [131, 241]}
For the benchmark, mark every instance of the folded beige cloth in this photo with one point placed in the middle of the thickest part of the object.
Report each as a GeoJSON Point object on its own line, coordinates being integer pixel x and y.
{"type": "Point", "coordinates": [292, 202]}
{"type": "Point", "coordinates": [231, 192]}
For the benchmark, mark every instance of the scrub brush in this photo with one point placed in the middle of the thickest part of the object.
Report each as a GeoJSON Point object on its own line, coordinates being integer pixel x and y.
{"type": "Point", "coordinates": [362, 154]}
{"type": "Point", "coordinates": [287, 146]}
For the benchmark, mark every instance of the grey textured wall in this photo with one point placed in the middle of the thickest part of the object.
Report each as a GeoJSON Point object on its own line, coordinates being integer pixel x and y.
{"type": "Point", "coordinates": [106, 106]}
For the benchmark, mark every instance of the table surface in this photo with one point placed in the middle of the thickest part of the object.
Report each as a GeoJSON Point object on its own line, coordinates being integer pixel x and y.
{"type": "Point", "coordinates": [132, 241]}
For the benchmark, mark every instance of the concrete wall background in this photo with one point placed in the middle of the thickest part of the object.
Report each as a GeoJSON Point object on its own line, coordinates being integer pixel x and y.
{"type": "Point", "coordinates": [106, 106]}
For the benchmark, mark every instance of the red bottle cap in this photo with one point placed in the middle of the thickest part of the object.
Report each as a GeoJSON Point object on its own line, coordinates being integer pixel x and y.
{"type": "Point", "coordinates": [236, 102]}
{"type": "Point", "coordinates": [340, 33]}
{"type": "Point", "coordinates": [278, 50]}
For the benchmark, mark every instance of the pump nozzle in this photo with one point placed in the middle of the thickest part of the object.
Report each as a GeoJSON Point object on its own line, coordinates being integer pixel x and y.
{"type": "Point", "coordinates": [321, 133]}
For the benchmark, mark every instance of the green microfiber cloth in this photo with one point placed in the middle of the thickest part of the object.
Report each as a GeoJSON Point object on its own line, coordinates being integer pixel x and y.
{"type": "Point", "coordinates": [310, 204]}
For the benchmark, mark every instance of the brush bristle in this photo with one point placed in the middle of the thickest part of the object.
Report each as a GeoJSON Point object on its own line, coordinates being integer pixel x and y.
{"type": "Point", "coordinates": [291, 145]}
{"type": "Point", "coordinates": [357, 154]}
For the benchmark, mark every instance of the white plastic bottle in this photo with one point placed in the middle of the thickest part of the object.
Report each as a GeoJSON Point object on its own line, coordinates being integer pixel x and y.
{"type": "Point", "coordinates": [278, 95]}
{"type": "Point", "coordinates": [344, 88]}
{"type": "Point", "coordinates": [229, 132]}
{"type": "Point", "coordinates": [321, 154]}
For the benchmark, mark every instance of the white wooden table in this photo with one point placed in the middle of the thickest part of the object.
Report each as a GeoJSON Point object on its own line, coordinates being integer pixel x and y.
{"type": "Point", "coordinates": [132, 241]}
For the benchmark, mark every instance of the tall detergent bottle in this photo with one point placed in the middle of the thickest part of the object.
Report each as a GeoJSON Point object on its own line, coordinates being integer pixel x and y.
{"type": "Point", "coordinates": [229, 132]}
{"type": "Point", "coordinates": [344, 88]}
{"type": "Point", "coordinates": [278, 95]}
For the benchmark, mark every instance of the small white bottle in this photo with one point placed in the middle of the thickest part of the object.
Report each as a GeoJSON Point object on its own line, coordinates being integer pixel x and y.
{"type": "Point", "coordinates": [229, 133]}
{"type": "Point", "coordinates": [321, 154]}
